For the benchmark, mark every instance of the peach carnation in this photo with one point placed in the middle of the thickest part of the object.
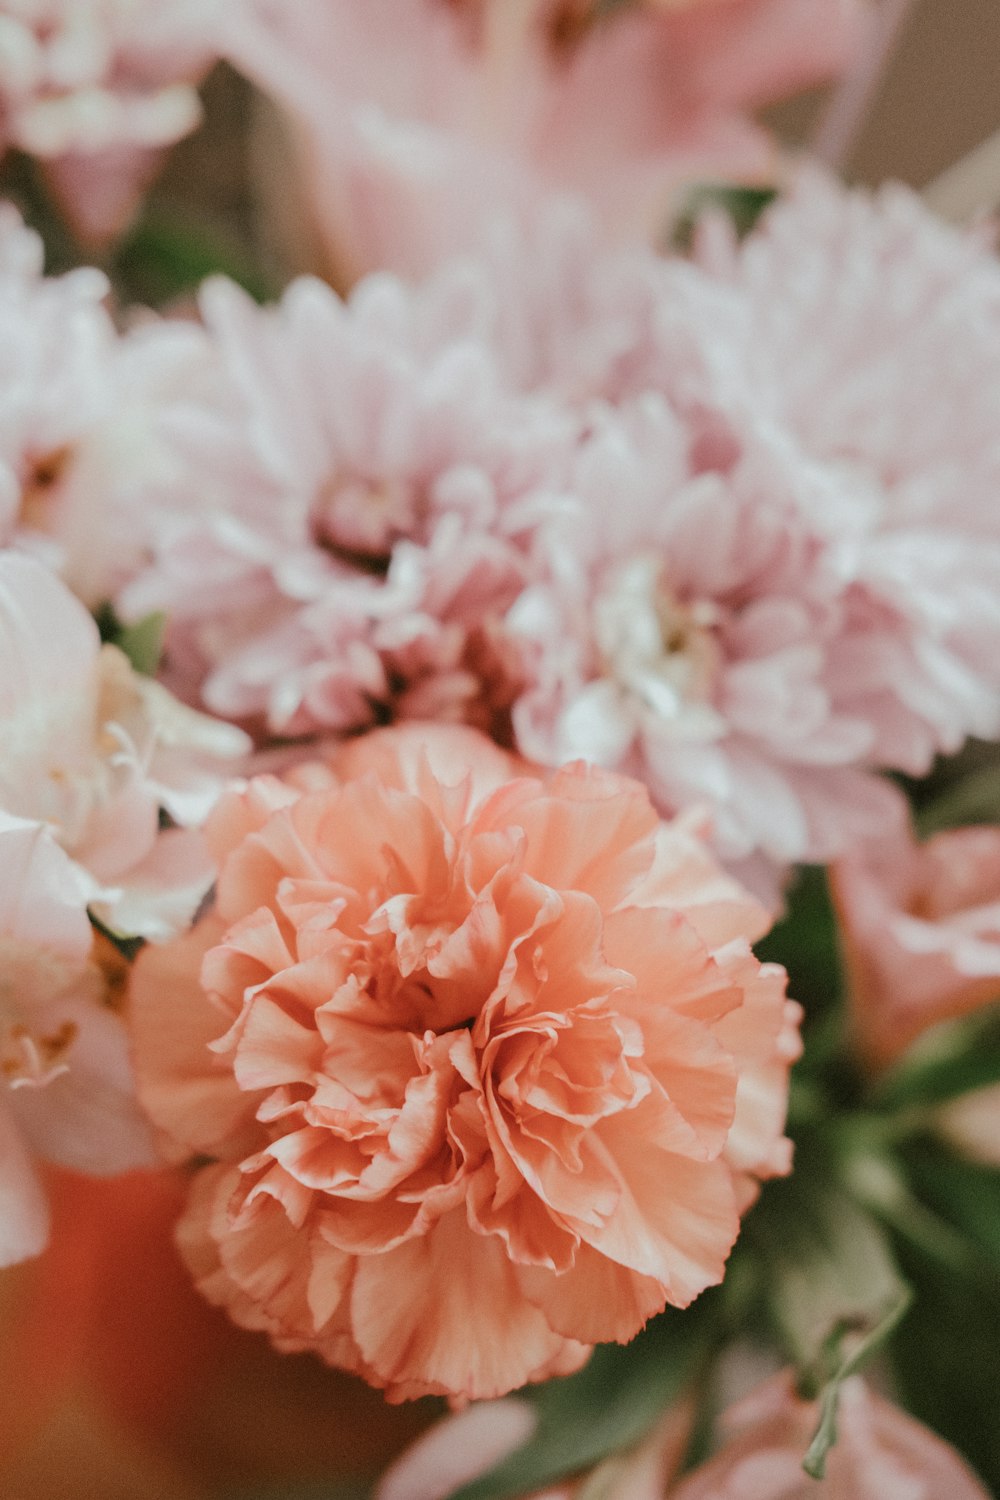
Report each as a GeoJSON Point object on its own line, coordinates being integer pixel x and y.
{"type": "Point", "coordinates": [485, 1063]}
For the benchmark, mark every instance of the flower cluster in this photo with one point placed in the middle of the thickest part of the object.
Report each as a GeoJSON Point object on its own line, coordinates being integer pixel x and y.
{"type": "Point", "coordinates": [594, 502]}
{"type": "Point", "coordinates": [418, 690]}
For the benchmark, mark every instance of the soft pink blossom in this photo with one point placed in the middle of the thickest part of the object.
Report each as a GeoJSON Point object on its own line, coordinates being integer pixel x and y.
{"type": "Point", "coordinates": [920, 928]}
{"type": "Point", "coordinates": [682, 634]}
{"type": "Point", "coordinates": [81, 408]}
{"type": "Point", "coordinates": [94, 751]}
{"type": "Point", "coordinates": [421, 120]}
{"type": "Point", "coordinates": [452, 1025]}
{"type": "Point", "coordinates": [779, 571]}
{"type": "Point", "coordinates": [66, 1093]}
{"type": "Point", "coordinates": [579, 497]}
{"type": "Point", "coordinates": [97, 89]}
{"type": "Point", "coordinates": [886, 405]}
{"type": "Point", "coordinates": [348, 523]}
{"type": "Point", "coordinates": [881, 1453]}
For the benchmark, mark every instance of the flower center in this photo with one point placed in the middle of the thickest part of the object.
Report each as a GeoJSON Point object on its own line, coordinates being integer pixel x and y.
{"type": "Point", "coordinates": [664, 654]}
{"type": "Point", "coordinates": [357, 520]}
{"type": "Point", "coordinates": [41, 485]}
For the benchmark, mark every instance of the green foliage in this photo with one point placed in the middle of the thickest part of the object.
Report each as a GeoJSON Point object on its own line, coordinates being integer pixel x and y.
{"type": "Point", "coordinates": [944, 1359]}
{"type": "Point", "coordinates": [951, 1060]}
{"type": "Point", "coordinates": [805, 942]}
{"type": "Point", "coordinates": [163, 259]}
{"type": "Point", "coordinates": [973, 798]}
{"type": "Point", "coordinates": [142, 642]}
{"type": "Point", "coordinates": [743, 205]}
{"type": "Point", "coordinates": [965, 1195]}
{"type": "Point", "coordinates": [834, 1289]}
{"type": "Point", "coordinates": [605, 1408]}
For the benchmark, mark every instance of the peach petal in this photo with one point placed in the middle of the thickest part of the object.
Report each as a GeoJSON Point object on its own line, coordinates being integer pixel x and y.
{"type": "Point", "coordinates": [583, 810]}
{"type": "Point", "coordinates": [187, 1092]}
{"type": "Point", "coordinates": [273, 1048]}
{"type": "Point", "coordinates": [675, 1219]}
{"type": "Point", "coordinates": [601, 1301]}
{"type": "Point", "coordinates": [456, 1350]}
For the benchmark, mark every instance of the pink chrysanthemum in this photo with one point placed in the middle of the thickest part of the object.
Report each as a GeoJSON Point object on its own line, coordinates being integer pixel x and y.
{"type": "Point", "coordinates": [889, 399]}
{"type": "Point", "coordinates": [365, 488]}
{"type": "Point", "coordinates": [80, 406]}
{"type": "Point", "coordinates": [784, 569]}
{"type": "Point", "coordinates": [453, 1025]}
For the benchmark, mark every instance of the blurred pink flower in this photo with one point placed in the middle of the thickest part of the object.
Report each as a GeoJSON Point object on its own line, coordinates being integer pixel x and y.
{"type": "Point", "coordinates": [80, 405]}
{"type": "Point", "coordinates": [66, 1092]}
{"type": "Point", "coordinates": [93, 751]}
{"type": "Point", "coordinates": [920, 927]}
{"type": "Point", "coordinates": [478, 1028]}
{"type": "Point", "coordinates": [96, 89]}
{"type": "Point", "coordinates": [350, 517]}
{"type": "Point", "coordinates": [422, 120]}
{"type": "Point", "coordinates": [881, 1453]}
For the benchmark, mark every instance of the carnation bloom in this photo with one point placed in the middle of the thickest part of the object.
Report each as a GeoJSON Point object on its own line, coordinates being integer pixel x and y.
{"type": "Point", "coordinates": [682, 635]}
{"type": "Point", "coordinates": [94, 751]}
{"type": "Point", "coordinates": [421, 119]}
{"type": "Point", "coordinates": [920, 928]}
{"type": "Point", "coordinates": [451, 1026]}
{"type": "Point", "coordinates": [781, 569]}
{"type": "Point", "coordinates": [890, 424]}
{"type": "Point", "coordinates": [365, 487]}
{"type": "Point", "coordinates": [96, 88]}
{"type": "Point", "coordinates": [80, 406]}
{"type": "Point", "coordinates": [881, 1453]}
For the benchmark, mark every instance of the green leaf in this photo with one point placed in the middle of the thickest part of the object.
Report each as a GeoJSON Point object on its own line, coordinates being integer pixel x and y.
{"type": "Point", "coordinates": [834, 1289]}
{"type": "Point", "coordinates": [965, 1194]}
{"type": "Point", "coordinates": [142, 642]}
{"type": "Point", "coordinates": [974, 798]}
{"type": "Point", "coordinates": [166, 258]}
{"type": "Point", "coordinates": [944, 1360]}
{"type": "Point", "coordinates": [743, 205]}
{"type": "Point", "coordinates": [805, 942]}
{"type": "Point", "coordinates": [605, 1408]}
{"type": "Point", "coordinates": [950, 1060]}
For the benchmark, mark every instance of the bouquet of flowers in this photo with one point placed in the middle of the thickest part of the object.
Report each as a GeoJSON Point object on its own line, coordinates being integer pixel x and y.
{"type": "Point", "coordinates": [500, 684]}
